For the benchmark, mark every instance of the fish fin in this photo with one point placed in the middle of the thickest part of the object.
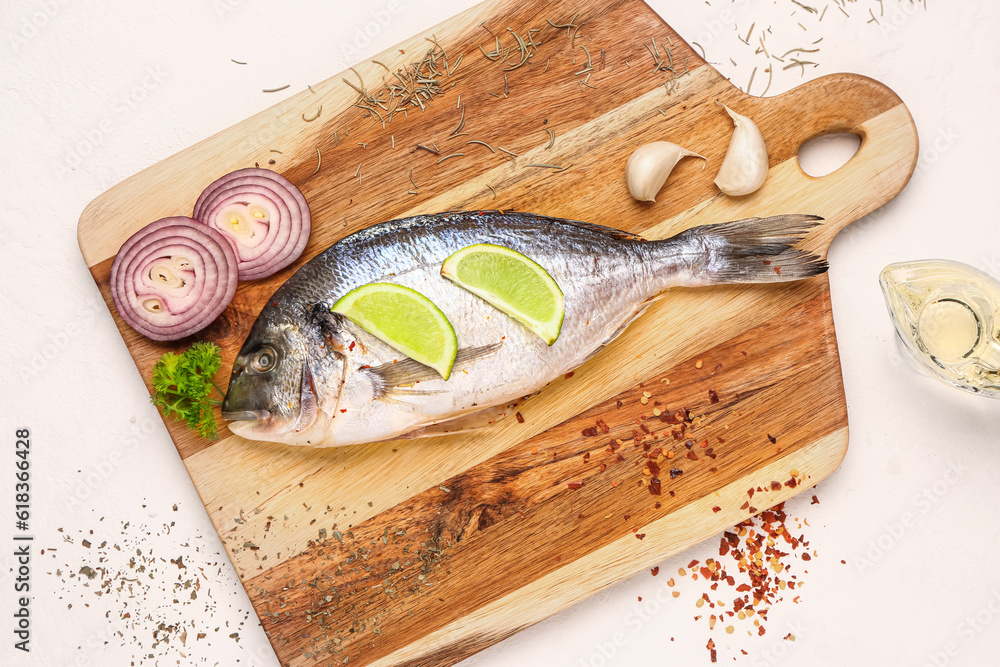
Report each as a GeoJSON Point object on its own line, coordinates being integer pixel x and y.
{"type": "Point", "coordinates": [464, 423]}
{"type": "Point", "coordinates": [620, 330]}
{"type": "Point", "coordinates": [398, 376]}
{"type": "Point", "coordinates": [754, 250]}
{"type": "Point", "coordinates": [610, 232]}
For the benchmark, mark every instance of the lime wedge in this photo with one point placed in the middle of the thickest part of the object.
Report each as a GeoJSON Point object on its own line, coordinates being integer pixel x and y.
{"type": "Point", "coordinates": [404, 319]}
{"type": "Point", "coordinates": [511, 282]}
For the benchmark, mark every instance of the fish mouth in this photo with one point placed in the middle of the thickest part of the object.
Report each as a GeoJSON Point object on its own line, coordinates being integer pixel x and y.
{"type": "Point", "coordinates": [246, 415]}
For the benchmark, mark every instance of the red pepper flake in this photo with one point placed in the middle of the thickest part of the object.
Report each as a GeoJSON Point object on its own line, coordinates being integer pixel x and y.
{"type": "Point", "coordinates": [675, 472]}
{"type": "Point", "coordinates": [745, 505]}
{"type": "Point", "coordinates": [707, 573]}
{"type": "Point", "coordinates": [716, 509]}
{"type": "Point", "coordinates": [713, 654]}
{"type": "Point", "coordinates": [703, 444]}
{"type": "Point", "coordinates": [791, 483]}
{"type": "Point", "coordinates": [602, 427]}
{"type": "Point", "coordinates": [575, 485]}
{"type": "Point", "coordinates": [343, 410]}
{"type": "Point", "coordinates": [619, 404]}
{"type": "Point", "coordinates": [569, 375]}
{"type": "Point", "coordinates": [752, 509]}
{"type": "Point", "coordinates": [590, 431]}
{"type": "Point", "coordinates": [640, 598]}
{"type": "Point", "coordinates": [520, 419]}
{"type": "Point", "coordinates": [657, 505]}
{"type": "Point", "coordinates": [603, 467]}
{"type": "Point", "coordinates": [713, 396]}
{"type": "Point", "coordinates": [614, 482]}
{"type": "Point", "coordinates": [655, 486]}
{"type": "Point", "coordinates": [655, 571]}
{"type": "Point", "coordinates": [772, 438]}
{"type": "Point", "coordinates": [750, 492]}
{"type": "Point", "coordinates": [721, 440]}
{"type": "Point", "coordinates": [815, 501]}
{"type": "Point", "coordinates": [775, 486]}
{"type": "Point", "coordinates": [586, 456]}
{"type": "Point", "coordinates": [640, 535]}
{"type": "Point", "coordinates": [767, 261]}
{"type": "Point", "coordinates": [806, 556]}
{"type": "Point", "coordinates": [692, 456]}
{"type": "Point", "coordinates": [777, 270]}
{"type": "Point", "coordinates": [654, 467]}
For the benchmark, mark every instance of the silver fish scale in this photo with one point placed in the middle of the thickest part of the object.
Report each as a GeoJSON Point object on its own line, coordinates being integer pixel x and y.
{"type": "Point", "coordinates": [606, 277]}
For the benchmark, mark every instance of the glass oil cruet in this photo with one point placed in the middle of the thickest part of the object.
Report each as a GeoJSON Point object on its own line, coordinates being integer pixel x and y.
{"type": "Point", "coordinates": [947, 317]}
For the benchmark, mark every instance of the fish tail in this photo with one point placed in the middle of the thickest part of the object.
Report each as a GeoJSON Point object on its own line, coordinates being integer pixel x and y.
{"type": "Point", "coordinates": [754, 250]}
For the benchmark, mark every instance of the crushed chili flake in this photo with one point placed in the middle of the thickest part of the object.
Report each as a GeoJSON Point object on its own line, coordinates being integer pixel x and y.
{"type": "Point", "coordinates": [655, 571]}
{"type": "Point", "coordinates": [520, 419]}
{"type": "Point", "coordinates": [640, 535]}
{"type": "Point", "coordinates": [675, 472]}
{"type": "Point", "coordinates": [815, 501]}
{"type": "Point", "coordinates": [655, 487]}
{"type": "Point", "coordinates": [716, 509]}
{"type": "Point", "coordinates": [589, 431]}
{"type": "Point", "coordinates": [772, 438]}
{"type": "Point", "coordinates": [602, 426]}
{"type": "Point", "coordinates": [691, 455]}
{"type": "Point", "coordinates": [569, 375]}
{"type": "Point", "coordinates": [713, 396]}
{"type": "Point", "coordinates": [775, 486]}
{"type": "Point", "coordinates": [575, 485]}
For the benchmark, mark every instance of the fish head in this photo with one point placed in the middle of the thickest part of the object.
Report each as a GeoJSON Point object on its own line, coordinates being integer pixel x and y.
{"type": "Point", "coordinates": [287, 374]}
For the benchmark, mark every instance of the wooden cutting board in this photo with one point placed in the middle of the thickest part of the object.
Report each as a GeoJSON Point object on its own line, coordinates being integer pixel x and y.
{"type": "Point", "coordinates": [424, 552]}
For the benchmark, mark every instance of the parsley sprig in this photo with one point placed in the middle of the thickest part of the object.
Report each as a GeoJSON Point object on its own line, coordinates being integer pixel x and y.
{"type": "Point", "coordinates": [182, 384]}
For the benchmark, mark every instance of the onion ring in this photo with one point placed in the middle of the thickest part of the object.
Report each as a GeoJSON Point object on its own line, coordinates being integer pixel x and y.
{"type": "Point", "coordinates": [263, 215]}
{"type": "Point", "coordinates": [173, 277]}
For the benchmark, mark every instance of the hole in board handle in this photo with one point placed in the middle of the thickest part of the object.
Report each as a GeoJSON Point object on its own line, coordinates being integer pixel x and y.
{"type": "Point", "coordinates": [826, 154]}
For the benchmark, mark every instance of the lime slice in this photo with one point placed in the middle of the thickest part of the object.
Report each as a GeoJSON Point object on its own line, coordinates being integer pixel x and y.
{"type": "Point", "coordinates": [513, 283]}
{"type": "Point", "coordinates": [404, 319]}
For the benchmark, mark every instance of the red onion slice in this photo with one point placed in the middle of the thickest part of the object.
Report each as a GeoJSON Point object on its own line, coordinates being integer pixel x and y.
{"type": "Point", "coordinates": [173, 277]}
{"type": "Point", "coordinates": [264, 216]}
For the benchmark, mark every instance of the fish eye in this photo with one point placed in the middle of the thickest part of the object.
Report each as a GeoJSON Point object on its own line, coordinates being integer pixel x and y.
{"type": "Point", "coordinates": [264, 359]}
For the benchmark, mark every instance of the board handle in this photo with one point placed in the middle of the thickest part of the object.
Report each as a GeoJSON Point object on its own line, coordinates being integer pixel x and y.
{"type": "Point", "coordinates": [883, 163]}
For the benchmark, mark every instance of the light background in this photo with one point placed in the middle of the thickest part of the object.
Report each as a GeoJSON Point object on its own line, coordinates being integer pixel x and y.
{"type": "Point", "coordinates": [93, 92]}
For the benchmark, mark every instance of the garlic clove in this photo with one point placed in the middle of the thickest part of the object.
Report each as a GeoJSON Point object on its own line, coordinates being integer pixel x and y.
{"type": "Point", "coordinates": [745, 166]}
{"type": "Point", "coordinates": [649, 166]}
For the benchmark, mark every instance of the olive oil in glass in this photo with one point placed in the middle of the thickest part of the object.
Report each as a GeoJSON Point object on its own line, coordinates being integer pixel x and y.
{"type": "Point", "coordinates": [947, 317]}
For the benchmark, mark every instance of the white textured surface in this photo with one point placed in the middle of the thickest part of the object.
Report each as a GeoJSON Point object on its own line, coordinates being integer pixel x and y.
{"type": "Point", "coordinates": [94, 92]}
